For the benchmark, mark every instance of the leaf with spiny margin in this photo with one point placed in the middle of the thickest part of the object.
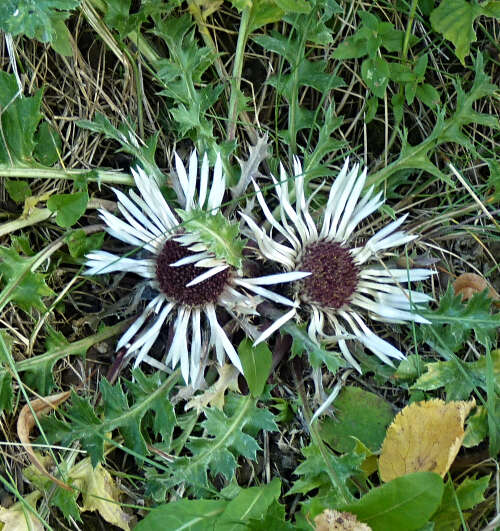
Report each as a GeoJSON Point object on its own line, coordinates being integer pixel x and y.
{"type": "Point", "coordinates": [144, 152]}
{"type": "Point", "coordinates": [445, 130]}
{"type": "Point", "coordinates": [40, 375]}
{"type": "Point", "coordinates": [458, 377]}
{"type": "Point", "coordinates": [221, 236]}
{"type": "Point", "coordinates": [453, 322]}
{"type": "Point", "coordinates": [317, 354]}
{"type": "Point", "coordinates": [19, 284]}
{"type": "Point", "coordinates": [467, 495]}
{"type": "Point", "coordinates": [229, 434]}
{"type": "Point", "coordinates": [85, 426]}
{"type": "Point", "coordinates": [315, 472]}
{"type": "Point", "coordinates": [454, 19]}
{"type": "Point", "coordinates": [40, 19]}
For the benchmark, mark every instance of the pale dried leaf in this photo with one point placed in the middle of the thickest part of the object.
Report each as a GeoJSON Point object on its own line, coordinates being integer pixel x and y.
{"type": "Point", "coordinates": [468, 284]}
{"type": "Point", "coordinates": [250, 167]}
{"type": "Point", "coordinates": [330, 520]}
{"type": "Point", "coordinates": [18, 518]}
{"type": "Point", "coordinates": [26, 422]}
{"type": "Point", "coordinates": [99, 493]}
{"type": "Point", "coordinates": [425, 436]}
{"type": "Point", "coordinates": [214, 395]}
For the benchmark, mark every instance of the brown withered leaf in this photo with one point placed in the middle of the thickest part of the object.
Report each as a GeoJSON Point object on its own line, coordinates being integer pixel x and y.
{"type": "Point", "coordinates": [214, 395]}
{"type": "Point", "coordinates": [330, 520]}
{"type": "Point", "coordinates": [468, 284]}
{"type": "Point", "coordinates": [425, 436]}
{"type": "Point", "coordinates": [26, 422]}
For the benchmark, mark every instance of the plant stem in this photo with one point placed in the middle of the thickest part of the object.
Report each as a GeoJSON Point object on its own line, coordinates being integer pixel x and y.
{"type": "Point", "coordinates": [237, 69]}
{"type": "Point", "coordinates": [100, 176]}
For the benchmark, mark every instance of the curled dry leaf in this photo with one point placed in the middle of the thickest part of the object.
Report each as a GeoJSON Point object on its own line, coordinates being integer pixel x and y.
{"type": "Point", "coordinates": [19, 518]}
{"type": "Point", "coordinates": [330, 520]}
{"type": "Point", "coordinates": [469, 284]}
{"type": "Point", "coordinates": [26, 422]}
{"type": "Point", "coordinates": [425, 436]}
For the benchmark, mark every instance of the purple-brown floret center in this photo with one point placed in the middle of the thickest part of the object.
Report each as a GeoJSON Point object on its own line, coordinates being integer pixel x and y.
{"type": "Point", "coordinates": [173, 280]}
{"type": "Point", "coordinates": [334, 274]}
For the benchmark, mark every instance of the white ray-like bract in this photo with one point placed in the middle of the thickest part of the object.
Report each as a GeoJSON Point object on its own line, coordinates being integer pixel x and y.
{"type": "Point", "coordinates": [190, 280]}
{"type": "Point", "coordinates": [347, 283]}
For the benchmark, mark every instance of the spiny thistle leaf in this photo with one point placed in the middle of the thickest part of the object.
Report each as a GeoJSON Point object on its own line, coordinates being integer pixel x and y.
{"type": "Point", "coordinates": [220, 235]}
{"type": "Point", "coordinates": [19, 284]}
{"type": "Point", "coordinates": [453, 322]}
{"type": "Point", "coordinates": [85, 426]}
{"type": "Point", "coordinates": [229, 434]}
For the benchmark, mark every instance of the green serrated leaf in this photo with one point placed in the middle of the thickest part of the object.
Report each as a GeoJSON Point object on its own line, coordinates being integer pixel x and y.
{"type": "Point", "coordinates": [453, 322]}
{"type": "Point", "coordinates": [19, 284]}
{"type": "Point", "coordinates": [458, 377]}
{"type": "Point", "coordinates": [68, 207]}
{"type": "Point", "coordinates": [468, 494]}
{"type": "Point", "coordinates": [358, 414]}
{"type": "Point", "coordinates": [229, 433]}
{"type": "Point", "coordinates": [454, 19]}
{"type": "Point", "coordinates": [316, 470]}
{"type": "Point", "coordinates": [221, 236]}
{"type": "Point", "coordinates": [405, 503]}
{"type": "Point", "coordinates": [256, 362]}
{"type": "Point", "coordinates": [37, 19]}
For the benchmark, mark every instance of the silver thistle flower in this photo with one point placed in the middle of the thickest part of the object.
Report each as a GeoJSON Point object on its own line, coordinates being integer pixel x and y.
{"type": "Point", "coordinates": [345, 284]}
{"type": "Point", "coordinates": [191, 281]}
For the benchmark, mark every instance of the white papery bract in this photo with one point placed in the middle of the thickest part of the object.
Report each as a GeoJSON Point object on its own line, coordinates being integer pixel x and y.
{"type": "Point", "coordinates": [189, 279]}
{"type": "Point", "coordinates": [346, 283]}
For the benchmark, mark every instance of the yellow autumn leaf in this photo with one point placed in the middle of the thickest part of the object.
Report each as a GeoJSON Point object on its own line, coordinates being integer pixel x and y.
{"type": "Point", "coordinates": [99, 492]}
{"type": "Point", "coordinates": [425, 436]}
{"type": "Point", "coordinates": [19, 518]}
{"type": "Point", "coordinates": [330, 520]}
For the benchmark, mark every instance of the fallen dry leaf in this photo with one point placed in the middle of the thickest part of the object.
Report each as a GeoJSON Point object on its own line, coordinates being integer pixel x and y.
{"type": "Point", "coordinates": [424, 436]}
{"type": "Point", "coordinates": [26, 422]}
{"type": "Point", "coordinates": [19, 518]}
{"type": "Point", "coordinates": [469, 284]}
{"type": "Point", "coordinates": [330, 520]}
{"type": "Point", "coordinates": [99, 492]}
{"type": "Point", "coordinates": [214, 395]}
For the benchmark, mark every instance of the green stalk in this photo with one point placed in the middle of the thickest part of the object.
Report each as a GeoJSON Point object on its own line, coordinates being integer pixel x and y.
{"type": "Point", "coordinates": [99, 176]}
{"type": "Point", "coordinates": [243, 34]}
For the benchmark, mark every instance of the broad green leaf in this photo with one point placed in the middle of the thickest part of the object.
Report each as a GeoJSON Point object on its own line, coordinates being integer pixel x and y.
{"type": "Point", "coordinates": [79, 243]}
{"type": "Point", "coordinates": [458, 377]}
{"type": "Point", "coordinates": [468, 494]}
{"type": "Point", "coordinates": [17, 190]}
{"type": "Point", "coordinates": [36, 19]}
{"type": "Point", "coordinates": [405, 503]}
{"type": "Point", "coordinates": [257, 362]}
{"type": "Point", "coordinates": [20, 118]}
{"type": "Point", "coordinates": [221, 236]}
{"type": "Point", "coordinates": [359, 414]}
{"type": "Point", "coordinates": [19, 284]}
{"type": "Point", "coordinates": [375, 72]}
{"type": "Point", "coordinates": [48, 144]}
{"type": "Point", "coordinates": [68, 207]}
{"type": "Point", "coordinates": [6, 391]}
{"type": "Point", "coordinates": [249, 503]}
{"type": "Point", "coordinates": [454, 19]}
{"type": "Point", "coordinates": [195, 515]}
